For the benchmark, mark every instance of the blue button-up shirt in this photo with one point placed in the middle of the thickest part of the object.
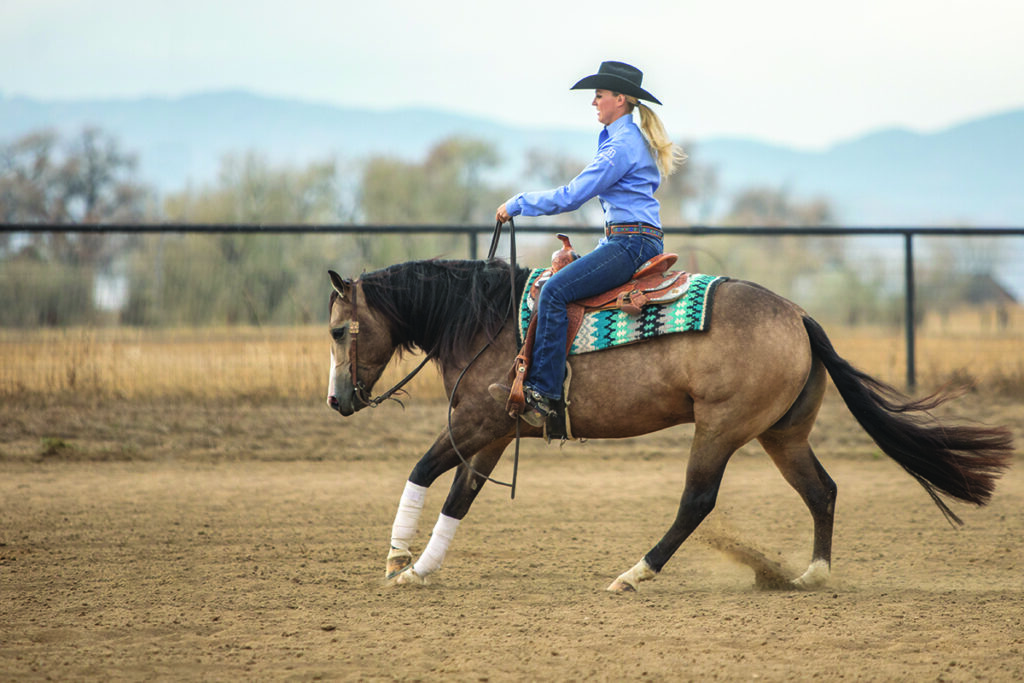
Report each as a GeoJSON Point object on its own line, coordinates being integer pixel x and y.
{"type": "Point", "coordinates": [623, 176]}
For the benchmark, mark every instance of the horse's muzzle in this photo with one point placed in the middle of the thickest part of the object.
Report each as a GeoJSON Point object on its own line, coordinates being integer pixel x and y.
{"type": "Point", "coordinates": [346, 408]}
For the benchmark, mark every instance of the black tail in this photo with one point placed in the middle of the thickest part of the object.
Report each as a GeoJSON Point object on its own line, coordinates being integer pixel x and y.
{"type": "Point", "coordinates": [963, 462]}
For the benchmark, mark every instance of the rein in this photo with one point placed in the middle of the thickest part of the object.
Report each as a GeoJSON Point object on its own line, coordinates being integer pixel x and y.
{"type": "Point", "coordinates": [363, 395]}
{"type": "Point", "coordinates": [451, 400]}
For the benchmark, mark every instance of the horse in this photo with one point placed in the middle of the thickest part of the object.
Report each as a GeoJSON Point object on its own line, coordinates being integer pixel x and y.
{"type": "Point", "coordinates": [758, 372]}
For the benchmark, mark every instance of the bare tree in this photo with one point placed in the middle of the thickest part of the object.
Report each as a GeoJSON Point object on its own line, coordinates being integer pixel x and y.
{"type": "Point", "coordinates": [87, 179]}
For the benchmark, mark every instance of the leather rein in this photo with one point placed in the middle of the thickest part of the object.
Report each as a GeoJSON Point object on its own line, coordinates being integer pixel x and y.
{"type": "Point", "coordinates": [513, 302]}
{"type": "Point", "coordinates": [362, 393]}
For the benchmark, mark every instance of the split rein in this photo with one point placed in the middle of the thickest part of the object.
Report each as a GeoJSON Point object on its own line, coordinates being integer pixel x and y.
{"type": "Point", "coordinates": [362, 393]}
{"type": "Point", "coordinates": [511, 309]}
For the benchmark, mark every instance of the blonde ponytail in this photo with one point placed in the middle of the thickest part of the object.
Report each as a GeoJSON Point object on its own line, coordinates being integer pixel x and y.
{"type": "Point", "coordinates": [667, 155]}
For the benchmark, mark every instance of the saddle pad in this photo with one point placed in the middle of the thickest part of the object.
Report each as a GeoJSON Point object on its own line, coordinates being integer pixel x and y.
{"type": "Point", "coordinates": [606, 329]}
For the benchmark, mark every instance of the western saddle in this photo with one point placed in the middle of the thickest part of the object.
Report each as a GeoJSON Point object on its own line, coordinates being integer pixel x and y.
{"type": "Point", "coordinates": [653, 282]}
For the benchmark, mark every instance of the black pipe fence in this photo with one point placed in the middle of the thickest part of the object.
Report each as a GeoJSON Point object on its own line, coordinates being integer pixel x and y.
{"type": "Point", "coordinates": [473, 234]}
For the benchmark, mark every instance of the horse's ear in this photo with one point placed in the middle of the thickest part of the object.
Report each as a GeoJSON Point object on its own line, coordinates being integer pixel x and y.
{"type": "Point", "coordinates": [341, 285]}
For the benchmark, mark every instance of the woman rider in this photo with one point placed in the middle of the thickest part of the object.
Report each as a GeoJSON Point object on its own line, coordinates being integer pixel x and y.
{"type": "Point", "coordinates": [627, 169]}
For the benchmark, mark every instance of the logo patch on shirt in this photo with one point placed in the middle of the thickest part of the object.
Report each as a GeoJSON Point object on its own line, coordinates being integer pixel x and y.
{"type": "Point", "coordinates": [607, 155]}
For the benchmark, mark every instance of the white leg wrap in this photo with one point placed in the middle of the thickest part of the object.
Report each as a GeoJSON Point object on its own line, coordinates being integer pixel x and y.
{"type": "Point", "coordinates": [432, 557]}
{"type": "Point", "coordinates": [408, 516]}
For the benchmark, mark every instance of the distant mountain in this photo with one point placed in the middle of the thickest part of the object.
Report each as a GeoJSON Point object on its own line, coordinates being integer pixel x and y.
{"type": "Point", "coordinates": [183, 140]}
{"type": "Point", "coordinates": [970, 174]}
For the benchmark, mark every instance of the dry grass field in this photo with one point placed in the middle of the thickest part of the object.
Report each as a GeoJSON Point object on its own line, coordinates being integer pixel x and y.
{"type": "Point", "coordinates": [181, 505]}
{"type": "Point", "coordinates": [291, 363]}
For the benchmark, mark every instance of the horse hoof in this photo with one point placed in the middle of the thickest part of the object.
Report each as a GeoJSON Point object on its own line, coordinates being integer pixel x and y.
{"type": "Point", "coordinates": [815, 577]}
{"type": "Point", "coordinates": [620, 586]}
{"type": "Point", "coordinates": [628, 582]}
{"type": "Point", "coordinates": [805, 585]}
{"type": "Point", "coordinates": [409, 578]}
{"type": "Point", "coordinates": [398, 561]}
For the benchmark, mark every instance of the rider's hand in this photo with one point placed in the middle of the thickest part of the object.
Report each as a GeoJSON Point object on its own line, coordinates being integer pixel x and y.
{"type": "Point", "coordinates": [502, 215]}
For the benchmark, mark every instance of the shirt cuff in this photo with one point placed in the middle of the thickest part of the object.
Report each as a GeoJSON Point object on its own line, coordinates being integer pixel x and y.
{"type": "Point", "coordinates": [513, 205]}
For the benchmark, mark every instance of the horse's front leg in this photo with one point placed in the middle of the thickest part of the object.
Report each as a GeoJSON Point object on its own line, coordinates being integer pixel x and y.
{"type": "Point", "coordinates": [407, 519]}
{"type": "Point", "coordinates": [467, 484]}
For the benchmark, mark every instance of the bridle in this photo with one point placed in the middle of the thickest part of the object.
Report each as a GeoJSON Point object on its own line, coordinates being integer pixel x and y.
{"type": "Point", "coordinates": [359, 389]}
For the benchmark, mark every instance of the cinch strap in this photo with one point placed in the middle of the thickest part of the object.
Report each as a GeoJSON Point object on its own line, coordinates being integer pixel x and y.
{"type": "Point", "coordinates": [633, 229]}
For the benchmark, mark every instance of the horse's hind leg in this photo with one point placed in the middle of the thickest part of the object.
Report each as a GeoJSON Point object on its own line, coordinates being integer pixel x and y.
{"type": "Point", "coordinates": [708, 458]}
{"type": "Point", "coordinates": [786, 443]}
{"type": "Point", "coordinates": [800, 467]}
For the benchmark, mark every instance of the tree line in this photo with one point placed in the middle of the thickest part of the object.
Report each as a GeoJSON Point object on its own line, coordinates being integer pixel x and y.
{"type": "Point", "coordinates": [84, 278]}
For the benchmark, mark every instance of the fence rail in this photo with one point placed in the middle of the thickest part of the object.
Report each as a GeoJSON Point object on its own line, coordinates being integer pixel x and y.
{"type": "Point", "coordinates": [473, 230]}
{"type": "Point", "coordinates": [473, 233]}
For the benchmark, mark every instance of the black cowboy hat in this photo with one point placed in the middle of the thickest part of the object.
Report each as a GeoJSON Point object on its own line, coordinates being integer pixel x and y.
{"type": "Point", "coordinates": [618, 77]}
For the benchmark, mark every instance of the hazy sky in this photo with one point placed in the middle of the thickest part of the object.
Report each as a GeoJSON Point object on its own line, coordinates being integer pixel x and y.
{"type": "Point", "coordinates": [804, 72]}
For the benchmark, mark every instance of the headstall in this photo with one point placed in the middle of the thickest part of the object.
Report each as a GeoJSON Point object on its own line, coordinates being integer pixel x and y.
{"type": "Point", "coordinates": [359, 389]}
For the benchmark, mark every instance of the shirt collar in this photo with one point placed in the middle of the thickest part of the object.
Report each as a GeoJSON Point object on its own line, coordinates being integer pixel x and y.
{"type": "Point", "coordinates": [618, 123]}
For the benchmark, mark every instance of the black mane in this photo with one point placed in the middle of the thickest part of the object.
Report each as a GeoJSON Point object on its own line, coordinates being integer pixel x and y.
{"type": "Point", "coordinates": [441, 306]}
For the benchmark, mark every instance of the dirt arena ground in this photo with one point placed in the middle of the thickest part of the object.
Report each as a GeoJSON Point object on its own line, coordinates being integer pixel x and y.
{"type": "Point", "coordinates": [156, 542]}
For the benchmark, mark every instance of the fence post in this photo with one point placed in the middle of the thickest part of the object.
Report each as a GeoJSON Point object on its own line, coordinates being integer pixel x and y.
{"type": "Point", "coordinates": [908, 284]}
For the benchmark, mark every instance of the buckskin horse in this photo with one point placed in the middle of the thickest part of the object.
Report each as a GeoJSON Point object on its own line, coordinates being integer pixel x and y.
{"type": "Point", "coordinates": [758, 372]}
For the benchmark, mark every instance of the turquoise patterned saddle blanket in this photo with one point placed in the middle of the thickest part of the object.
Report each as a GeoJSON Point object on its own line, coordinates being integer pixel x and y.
{"type": "Point", "coordinates": [600, 330]}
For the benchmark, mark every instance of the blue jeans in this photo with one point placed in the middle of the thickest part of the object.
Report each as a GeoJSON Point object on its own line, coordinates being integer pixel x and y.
{"type": "Point", "coordinates": [609, 265]}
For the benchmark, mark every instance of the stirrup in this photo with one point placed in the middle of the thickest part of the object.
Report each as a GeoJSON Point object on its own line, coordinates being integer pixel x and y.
{"type": "Point", "coordinates": [538, 408]}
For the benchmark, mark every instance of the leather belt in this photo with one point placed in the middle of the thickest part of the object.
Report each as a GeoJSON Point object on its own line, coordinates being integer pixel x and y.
{"type": "Point", "coordinates": [633, 229]}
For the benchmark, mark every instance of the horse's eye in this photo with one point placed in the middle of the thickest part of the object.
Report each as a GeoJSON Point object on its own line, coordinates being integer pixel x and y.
{"type": "Point", "coordinates": [338, 334]}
